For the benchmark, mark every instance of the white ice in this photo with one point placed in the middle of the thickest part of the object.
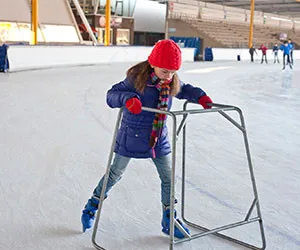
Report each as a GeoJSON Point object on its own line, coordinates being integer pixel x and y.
{"type": "Point", "coordinates": [56, 131]}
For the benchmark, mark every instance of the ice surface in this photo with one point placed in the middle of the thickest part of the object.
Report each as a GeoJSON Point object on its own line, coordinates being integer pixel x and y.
{"type": "Point", "coordinates": [56, 130]}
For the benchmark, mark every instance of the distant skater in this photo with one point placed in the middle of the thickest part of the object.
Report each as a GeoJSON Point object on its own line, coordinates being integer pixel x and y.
{"type": "Point", "coordinates": [275, 51]}
{"type": "Point", "coordinates": [292, 46]}
{"type": "Point", "coordinates": [286, 54]}
{"type": "Point", "coordinates": [251, 51]}
{"type": "Point", "coordinates": [263, 49]}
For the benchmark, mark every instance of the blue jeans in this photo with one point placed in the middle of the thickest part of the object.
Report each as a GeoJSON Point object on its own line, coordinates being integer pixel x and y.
{"type": "Point", "coordinates": [163, 166]}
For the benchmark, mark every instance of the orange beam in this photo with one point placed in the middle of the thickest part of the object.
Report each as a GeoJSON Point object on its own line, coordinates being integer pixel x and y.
{"type": "Point", "coordinates": [107, 24]}
{"type": "Point", "coordinates": [251, 24]}
{"type": "Point", "coordinates": [34, 21]}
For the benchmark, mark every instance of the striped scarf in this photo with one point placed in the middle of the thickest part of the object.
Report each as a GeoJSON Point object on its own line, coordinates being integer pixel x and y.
{"type": "Point", "coordinates": [163, 86]}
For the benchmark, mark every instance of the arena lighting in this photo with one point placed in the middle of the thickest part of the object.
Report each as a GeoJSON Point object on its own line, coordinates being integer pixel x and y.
{"type": "Point", "coordinates": [281, 19]}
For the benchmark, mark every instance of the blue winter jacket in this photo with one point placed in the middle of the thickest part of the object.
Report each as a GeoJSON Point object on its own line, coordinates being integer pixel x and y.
{"type": "Point", "coordinates": [275, 48]}
{"type": "Point", "coordinates": [134, 133]}
{"type": "Point", "coordinates": [286, 49]}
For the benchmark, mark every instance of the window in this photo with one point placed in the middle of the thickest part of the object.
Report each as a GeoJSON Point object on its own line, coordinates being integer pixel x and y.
{"type": "Point", "coordinates": [101, 35]}
{"type": "Point", "coordinates": [123, 36]}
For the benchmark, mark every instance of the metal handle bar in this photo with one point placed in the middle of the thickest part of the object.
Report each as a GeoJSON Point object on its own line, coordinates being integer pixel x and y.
{"type": "Point", "coordinates": [217, 107]}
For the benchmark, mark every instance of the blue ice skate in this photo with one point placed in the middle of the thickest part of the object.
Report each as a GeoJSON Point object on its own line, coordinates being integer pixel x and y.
{"type": "Point", "coordinates": [166, 224]}
{"type": "Point", "coordinates": [88, 213]}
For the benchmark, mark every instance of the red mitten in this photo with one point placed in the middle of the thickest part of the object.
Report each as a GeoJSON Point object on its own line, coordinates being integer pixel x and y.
{"type": "Point", "coordinates": [134, 105]}
{"type": "Point", "coordinates": [203, 100]}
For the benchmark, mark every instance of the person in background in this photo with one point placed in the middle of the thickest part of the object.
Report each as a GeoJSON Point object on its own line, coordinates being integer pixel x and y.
{"type": "Point", "coordinates": [152, 83]}
{"type": "Point", "coordinates": [286, 54]}
{"type": "Point", "coordinates": [292, 47]}
{"type": "Point", "coordinates": [4, 62]}
{"type": "Point", "coordinates": [251, 51]}
{"type": "Point", "coordinates": [263, 49]}
{"type": "Point", "coordinates": [275, 51]}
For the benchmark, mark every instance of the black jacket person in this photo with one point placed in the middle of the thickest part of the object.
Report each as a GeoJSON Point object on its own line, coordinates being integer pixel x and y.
{"type": "Point", "coordinates": [251, 51]}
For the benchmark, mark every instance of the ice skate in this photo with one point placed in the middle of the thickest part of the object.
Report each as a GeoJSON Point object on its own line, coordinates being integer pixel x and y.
{"type": "Point", "coordinates": [88, 214]}
{"type": "Point", "coordinates": [166, 224]}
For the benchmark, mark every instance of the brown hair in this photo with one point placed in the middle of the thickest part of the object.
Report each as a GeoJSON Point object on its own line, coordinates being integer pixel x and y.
{"type": "Point", "coordinates": [139, 74]}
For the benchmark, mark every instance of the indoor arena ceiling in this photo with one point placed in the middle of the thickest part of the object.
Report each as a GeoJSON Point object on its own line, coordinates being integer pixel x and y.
{"type": "Point", "coordinates": [282, 7]}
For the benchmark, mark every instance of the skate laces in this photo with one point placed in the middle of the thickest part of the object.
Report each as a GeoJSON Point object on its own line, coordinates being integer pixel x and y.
{"type": "Point", "coordinates": [168, 213]}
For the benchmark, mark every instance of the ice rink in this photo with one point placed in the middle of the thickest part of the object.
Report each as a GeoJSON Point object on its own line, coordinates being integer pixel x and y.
{"type": "Point", "coordinates": [56, 131]}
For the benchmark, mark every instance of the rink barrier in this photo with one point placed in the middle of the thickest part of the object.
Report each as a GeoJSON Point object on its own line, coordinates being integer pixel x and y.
{"type": "Point", "coordinates": [39, 57]}
{"type": "Point", "coordinates": [252, 215]}
{"type": "Point", "coordinates": [226, 54]}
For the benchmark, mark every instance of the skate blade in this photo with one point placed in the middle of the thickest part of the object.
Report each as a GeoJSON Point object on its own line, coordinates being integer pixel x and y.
{"type": "Point", "coordinates": [84, 229]}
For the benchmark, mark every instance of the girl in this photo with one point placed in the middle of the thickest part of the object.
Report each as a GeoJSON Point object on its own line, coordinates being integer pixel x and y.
{"type": "Point", "coordinates": [152, 83]}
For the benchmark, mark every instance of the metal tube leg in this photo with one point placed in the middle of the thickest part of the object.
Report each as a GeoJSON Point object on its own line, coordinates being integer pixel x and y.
{"type": "Point", "coordinates": [183, 171]}
{"type": "Point", "coordinates": [254, 187]}
{"type": "Point", "coordinates": [172, 193]}
{"type": "Point", "coordinates": [105, 182]}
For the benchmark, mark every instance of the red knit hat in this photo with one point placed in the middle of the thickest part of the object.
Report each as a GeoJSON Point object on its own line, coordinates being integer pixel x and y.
{"type": "Point", "coordinates": [166, 54]}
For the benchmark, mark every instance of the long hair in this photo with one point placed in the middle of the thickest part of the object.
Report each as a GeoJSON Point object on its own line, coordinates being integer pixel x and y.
{"type": "Point", "coordinates": [140, 73]}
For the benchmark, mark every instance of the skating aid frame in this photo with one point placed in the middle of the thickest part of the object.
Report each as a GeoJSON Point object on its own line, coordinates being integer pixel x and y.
{"type": "Point", "coordinates": [221, 109]}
